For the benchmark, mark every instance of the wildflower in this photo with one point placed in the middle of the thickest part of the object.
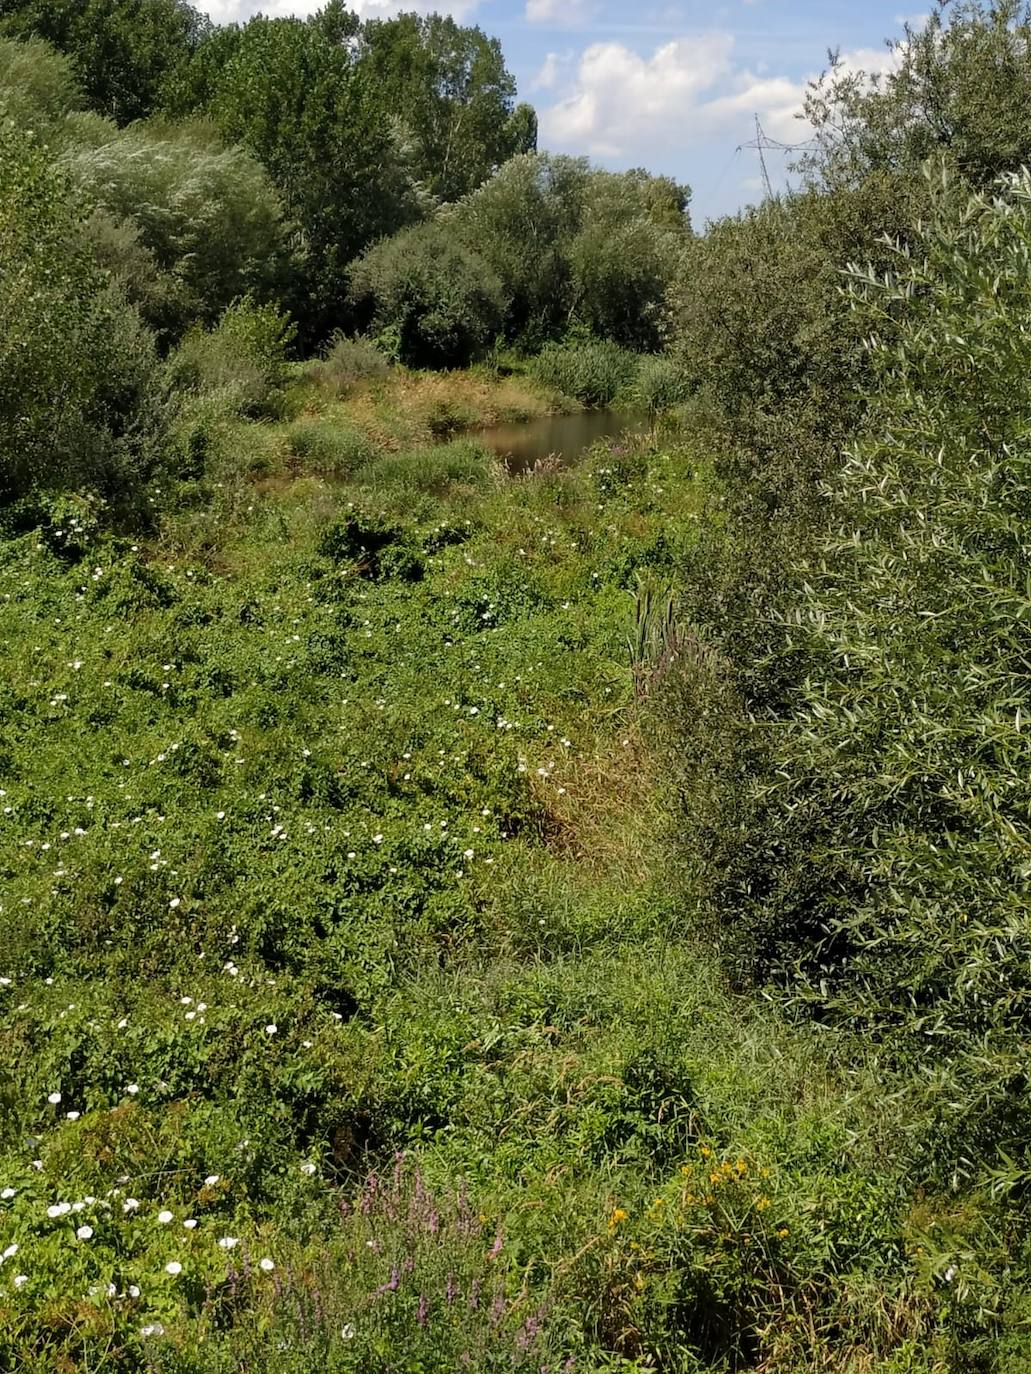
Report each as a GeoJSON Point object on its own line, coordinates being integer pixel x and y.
{"type": "Point", "coordinates": [20, 1280]}
{"type": "Point", "coordinates": [347, 1332]}
{"type": "Point", "coordinates": [6, 1194]}
{"type": "Point", "coordinates": [134, 1291]}
{"type": "Point", "coordinates": [74, 1116]}
{"type": "Point", "coordinates": [271, 1028]}
{"type": "Point", "coordinates": [211, 1180]}
{"type": "Point", "coordinates": [9, 1253]}
{"type": "Point", "coordinates": [227, 1242]}
{"type": "Point", "coordinates": [133, 1089]}
{"type": "Point", "coordinates": [267, 1265]}
{"type": "Point", "coordinates": [85, 1233]}
{"type": "Point", "coordinates": [783, 1232]}
{"type": "Point", "coordinates": [189, 1224]}
{"type": "Point", "coordinates": [307, 1170]}
{"type": "Point", "coordinates": [618, 1215]}
{"type": "Point", "coordinates": [153, 1329]}
{"type": "Point", "coordinates": [173, 1267]}
{"type": "Point", "coordinates": [130, 1204]}
{"type": "Point", "coordinates": [164, 1217]}
{"type": "Point", "coordinates": [54, 1099]}
{"type": "Point", "coordinates": [59, 1209]}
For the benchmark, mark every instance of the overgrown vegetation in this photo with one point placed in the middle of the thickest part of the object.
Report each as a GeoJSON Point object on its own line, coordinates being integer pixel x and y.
{"type": "Point", "coordinates": [451, 919]}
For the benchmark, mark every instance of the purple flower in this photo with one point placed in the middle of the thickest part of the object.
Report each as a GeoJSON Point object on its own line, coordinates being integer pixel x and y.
{"type": "Point", "coordinates": [495, 1249]}
{"type": "Point", "coordinates": [452, 1289]}
{"type": "Point", "coordinates": [392, 1286]}
{"type": "Point", "coordinates": [424, 1309]}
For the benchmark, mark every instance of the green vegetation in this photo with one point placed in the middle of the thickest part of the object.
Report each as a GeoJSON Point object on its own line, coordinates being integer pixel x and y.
{"type": "Point", "coordinates": [453, 920]}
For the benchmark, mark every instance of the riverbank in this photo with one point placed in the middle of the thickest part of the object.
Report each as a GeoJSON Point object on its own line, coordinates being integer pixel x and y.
{"type": "Point", "coordinates": [348, 1018]}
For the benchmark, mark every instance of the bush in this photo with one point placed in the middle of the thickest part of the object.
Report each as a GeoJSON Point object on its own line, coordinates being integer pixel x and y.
{"type": "Point", "coordinates": [884, 859]}
{"type": "Point", "coordinates": [245, 356]}
{"type": "Point", "coordinates": [348, 361]}
{"type": "Point", "coordinates": [592, 371]}
{"type": "Point", "coordinates": [79, 398]}
{"type": "Point", "coordinates": [208, 215]}
{"type": "Point", "coordinates": [660, 385]}
{"type": "Point", "coordinates": [438, 300]}
{"type": "Point", "coordinates": [330, 447]}
{"type": "Point", "coordinates": [429, 470]}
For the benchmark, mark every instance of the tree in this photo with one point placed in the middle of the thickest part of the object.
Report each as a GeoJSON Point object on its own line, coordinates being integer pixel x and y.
{"type": "Point", "coordinates": [960, 92]}
{"type": "Point", "coordinates": [38, 88]}
{"type": "Point", "coordinates": [454, 96]}
{"type": "Point", "coordinates": [78, 374]}
{"type": "Point", "coordinates": [623, 258]}
{"type": "Point", "coordinates": [440, 300]}
{"type": "Point", "coordinates": [208, 216]}
{"type": "Point", "coordinates": [296, 97]}
{"type": "Point", "coordinates": [124, 52]}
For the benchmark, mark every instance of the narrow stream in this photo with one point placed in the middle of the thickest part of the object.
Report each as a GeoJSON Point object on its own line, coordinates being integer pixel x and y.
{"type": "Point", "coordinates": [562, 437]}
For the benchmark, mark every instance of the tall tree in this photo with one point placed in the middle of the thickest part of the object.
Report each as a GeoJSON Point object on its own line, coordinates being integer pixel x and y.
{"type": "Point", "coordinates": [294, 94]}
{"type": "Point", "coordinates": [454, 97]}
{"type": "Point", "coordinates": [124, 52]}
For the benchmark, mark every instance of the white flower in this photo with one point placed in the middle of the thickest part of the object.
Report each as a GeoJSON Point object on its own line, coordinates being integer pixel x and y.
{"type": "Point", "coordinates": [154, 1329]}
{"type": "Point", "coordinates": [134, 1291]}
{"type": "Point", "coordinates": [54, 1099]}
{"type": "Point", "coordinates": [59, 1209]}
{"type": "Point", "coordinates": [164, 1217]}
{"type": "Point", "coordinates": [173, 1267]}
{"type": "Point", "coordinates": [10, 1252]}
{"type": "Point", "coordinates": [133, 1089]}
{"type": "Point", "coordinates": [131, 1204]}
{"type": "Point", "coordinates": [20, 1280]}
{"type": "Point", "coordinates": [6, 1194]}
{"type": "Point", "coordinates": [211, 1180]}
{"type": "Point", "coordinates": [308, 1169]}
{"type": "Point", "coordinates": [271, 1028]}
{"type": "Point", "coordinates": [85, 1232]}
{"type": "Point", "coordinates": [175, 902]}
{"type": "Point", "coordinates": [227, 1242]}
{"type": "Point", "coordinates": [74, 1116]}
{"type": "Point", "coordinates": [189, 1223]}
{"type": "Point", "coordinates": [267, 1265]}
{"type": "Point", "coordinates": [347, 1332]}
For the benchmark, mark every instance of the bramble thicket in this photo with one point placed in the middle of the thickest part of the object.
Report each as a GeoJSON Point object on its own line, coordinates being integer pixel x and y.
{"type": "Point", "coordinates": [459, 919]}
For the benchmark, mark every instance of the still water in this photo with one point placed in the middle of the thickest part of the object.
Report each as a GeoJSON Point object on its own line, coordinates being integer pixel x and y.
{"type": "Point", "coordinates": [562, 437]}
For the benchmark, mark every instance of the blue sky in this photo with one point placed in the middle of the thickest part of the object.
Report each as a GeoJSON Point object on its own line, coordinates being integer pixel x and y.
{"type": "Point", "coordinates": [669, 86]}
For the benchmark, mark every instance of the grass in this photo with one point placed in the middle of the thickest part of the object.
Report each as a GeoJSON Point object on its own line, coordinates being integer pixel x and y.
{"type": "Point", "coordinates": [338, 913]}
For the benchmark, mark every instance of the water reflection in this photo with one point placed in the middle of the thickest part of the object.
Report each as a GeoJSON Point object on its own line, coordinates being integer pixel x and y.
{"type": "Point", "coordinates": [562, 437]}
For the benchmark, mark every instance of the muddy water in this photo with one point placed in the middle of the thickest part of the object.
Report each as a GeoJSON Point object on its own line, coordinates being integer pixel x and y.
{"type": "Point", "coordinates": [560, 437]}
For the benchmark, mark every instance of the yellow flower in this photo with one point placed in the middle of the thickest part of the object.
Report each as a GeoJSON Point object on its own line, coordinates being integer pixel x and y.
{"type": "Point", "coordinates": [783, 1232]}
{"type": "Point", "coordinates": [617, 1216]}
{"type": "Point", "coordinates": [706, 1152]}
{"type": "Point", "coordinates": [762, 1204]}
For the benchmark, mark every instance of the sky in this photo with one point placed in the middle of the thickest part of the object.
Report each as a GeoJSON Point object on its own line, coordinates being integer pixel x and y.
{"type": "Point", "coordinates": [674, 87]}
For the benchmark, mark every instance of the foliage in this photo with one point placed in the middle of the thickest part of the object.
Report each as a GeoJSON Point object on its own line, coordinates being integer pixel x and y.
{"type": "Point", "coordinates": [894, 830]}
{"type": "Point", "coordinates": [592, 371]}
{"type": "Point", "coordinates": [297, 99]}
{"type": "Point", "coordinates": [207, 215]}
{"type": "Point", "coordinates": [575, 245]}
{"type": "Point", "coordinates": [244, 356]}
{"type": "Point", "coordinates": [37, 86]}
{"type": "Point", "coordinates": [454, 96]}
{"type": "Point", "coordinates": [958, 90]}
{"type": "Point", "coordinates": [440, 300]}
{"type": "Point", "coordinates": [78, 376]}
{"type": "Point", "coordinates": [347, 361]}
{"type": "Point", "coordinates": [124, 52]}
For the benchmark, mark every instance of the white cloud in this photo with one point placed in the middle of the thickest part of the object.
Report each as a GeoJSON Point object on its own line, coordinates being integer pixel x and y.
{"type": "Point", "coordinates": [624, 105]}
{"type": "Point", "coordinates": [547, 77]}
{"type": "Point", "coordinates": [565, 14]}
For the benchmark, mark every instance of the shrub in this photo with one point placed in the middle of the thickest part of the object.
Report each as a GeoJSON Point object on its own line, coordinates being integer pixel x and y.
{"type": "Point", "coordinates": [208, 214]}
{"type": "Point", "coordinates": [660, 385]}
{"type": "Point", "coordinates": [348, 361]}
{"type": "Point", "coordinates": [440, 301]}
{"type": "Point", "coordinates": [330, 447]}
{"type": "Point", "coordinates": [79, 401]}
{"type": "Point", "coordinates": [245, 356]}
{"type": "Point", "coordinates": [592, 371]}
{"type": "Point", "coordinates": [884, 861]}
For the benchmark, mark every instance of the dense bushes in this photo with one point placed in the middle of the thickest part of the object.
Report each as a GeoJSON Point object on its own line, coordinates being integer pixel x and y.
{"type": "Point", "coordinates": [79, 403]}
{"type": "Point", "coordinates": [436, 302]}
{"type": "Point", "coordinates": [592, 371]}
